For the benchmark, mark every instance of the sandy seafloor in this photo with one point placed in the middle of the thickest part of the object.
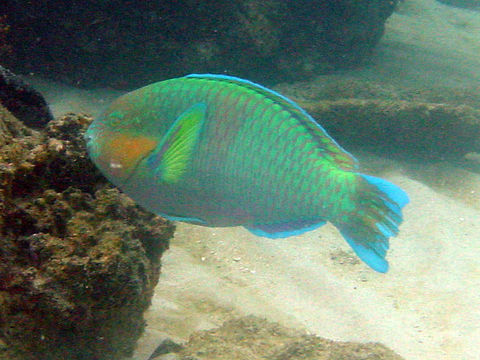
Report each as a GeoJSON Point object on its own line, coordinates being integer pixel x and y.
{"type": "Point", "coordinates": [426, 307]}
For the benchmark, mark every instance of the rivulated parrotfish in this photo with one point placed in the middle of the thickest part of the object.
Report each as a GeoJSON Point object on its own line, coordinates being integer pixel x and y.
{"type": "Point", "coordinates": [221, 151]}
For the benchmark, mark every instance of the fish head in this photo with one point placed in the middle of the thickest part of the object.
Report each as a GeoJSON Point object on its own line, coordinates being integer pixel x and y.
{"type": "Point", "coordinates": [117, 146]}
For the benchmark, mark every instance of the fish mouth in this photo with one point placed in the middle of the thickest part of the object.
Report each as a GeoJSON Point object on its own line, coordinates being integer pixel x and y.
{"type": "Point", "coordinates": [92, 138]}
{"type": "Point", "coordinates": [88, 138]}
{"type": "Point", "coordinates": [99, 148]}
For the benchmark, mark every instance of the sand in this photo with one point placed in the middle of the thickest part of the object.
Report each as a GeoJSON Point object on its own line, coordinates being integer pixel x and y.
{"type": "Point", "coordinates": [426, 307]}
{"type": "Point", "coordinates": [422, 308]}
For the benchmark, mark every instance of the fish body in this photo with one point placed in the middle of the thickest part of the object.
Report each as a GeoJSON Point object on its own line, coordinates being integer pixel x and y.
{"type": "Point", "coordinates": [221, 151]}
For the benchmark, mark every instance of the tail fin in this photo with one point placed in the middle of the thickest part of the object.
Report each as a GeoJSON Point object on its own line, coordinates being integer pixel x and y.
{"type": "Point", "coordinates": [374, 220]}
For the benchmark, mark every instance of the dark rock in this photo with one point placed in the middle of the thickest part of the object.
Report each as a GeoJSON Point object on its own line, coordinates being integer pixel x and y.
{"type": "Point", "coordinates": [167, 357]}
{"type": "Point", "coordinates": [415, 130]}
{"type": "Point", "coordinates": [22, 100]}
{"type": "Point", "coordinates": [435, 124]}
{"type": "Point", "coordinates": [79, 260]}
{"type": "Point", "coordinates": [11, 128]}
{"type": "Point", "coordinates": [252, 338]}
{"type": "Point", "coordinates": [467, 4]}
{"type": "Point", "coordinates": [128, 44]}
{"type": "Point", "coordinates": [167, 346]}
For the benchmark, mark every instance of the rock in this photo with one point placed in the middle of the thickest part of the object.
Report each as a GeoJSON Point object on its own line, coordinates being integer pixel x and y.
{"type": "Point", "coordinates": [436, 124]}
{"type": "Point", "coordinates": [127, 44]}
{"type": "Point", "coordinates": [467, 4]}
{"type": "Point", "coordinates": [22, 100]}
{"type": "Point", "coordinates": [415, 130]}
{"type": "Point", "coordinates": [167, 357]}
{"type": "Point", "coordinates": [167, 346]}
{"type": "Point", "coordinates": [153, 343]}
{"type": "Point", "coordinates": [79, 260]}
{"type": "Point", "coordinates": [11, 128]}
{"type": "Point", "coordinates": [252, 338]}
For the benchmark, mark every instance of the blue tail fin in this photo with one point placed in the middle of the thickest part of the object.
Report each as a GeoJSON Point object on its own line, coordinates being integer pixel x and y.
{"type": "Point", "coordinates": [375, 219]}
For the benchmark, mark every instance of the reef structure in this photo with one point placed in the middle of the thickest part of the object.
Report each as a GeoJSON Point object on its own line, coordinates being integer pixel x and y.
{"type": "Point", "coordinates": [78, 259]}
{"type": "Point", "coordinates": [424, 124]}
{"type": "Point", "coordinates": [127, 44]}
{"type": "Point", "coordinates": [252, 338]}
{"type": "Point", "coordinates": [22, 100]}
{"type": "Point", "coordinates": [467, 4]}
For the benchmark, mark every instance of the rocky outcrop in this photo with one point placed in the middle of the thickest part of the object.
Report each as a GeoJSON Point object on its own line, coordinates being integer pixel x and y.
{"type": "Point", "coordinates": [252, 338]}
{"type": "Point", "coordinates": [78, 259]}
{"type": "Point", "coordinates": [467, 4]}
{"type": "Point", "coordinates": [412, 129]}
{"type": "Point", "coordinates": [128, 44]}
{"type": "Point", "coordinates": [22, 100]}
{"type": "Point", "coordinates": [436, 124]}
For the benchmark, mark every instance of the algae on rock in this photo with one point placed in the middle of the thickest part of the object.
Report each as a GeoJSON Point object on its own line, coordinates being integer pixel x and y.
{"type": "Point", "coordinates": [252, 338]}
{"type": "Point", "coordinates": [121, 43]}
{"type": "Point", "coordinates": [433, 124]}
{"type": "Point", "coordinates": [79, 260]}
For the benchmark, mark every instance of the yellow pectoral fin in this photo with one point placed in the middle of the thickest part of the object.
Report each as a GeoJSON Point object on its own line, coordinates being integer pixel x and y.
{"type": "Point", "coordinates": [174, 153]}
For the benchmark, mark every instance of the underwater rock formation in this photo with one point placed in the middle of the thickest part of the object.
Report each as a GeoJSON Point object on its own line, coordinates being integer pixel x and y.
{"type": "Point", "coordinates": [468, 4]}
{"type": "Point", "coordinates": [78, 259]}
{"type": "Point", "coordinates": [22, 100]}
{"type": "Point", "coordinates": [421, 130]}
{"type": "Point", "coordinates": [128, 44]}
{"type": "Point", "coordinates": [252, 338]}
{"type": "Point", "coordinates": [437, 124]}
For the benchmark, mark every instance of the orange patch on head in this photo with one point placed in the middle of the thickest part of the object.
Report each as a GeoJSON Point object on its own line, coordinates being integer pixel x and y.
{"type": "Point", "coordinates": [122, 153]}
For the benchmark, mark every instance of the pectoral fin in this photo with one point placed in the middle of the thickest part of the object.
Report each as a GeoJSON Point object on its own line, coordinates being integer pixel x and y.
{"type": "Point", "coordinates": [174, 153]}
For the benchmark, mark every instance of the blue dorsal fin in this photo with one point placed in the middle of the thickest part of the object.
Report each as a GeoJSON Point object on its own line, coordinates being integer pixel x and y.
{"type": "Point", "coordinates": [271, 94]}
{"type": "Point", "coordinates": [283, 230]}
{"type": "Point", "coordinates": [341, 157]}
{"type": "Point", "coordinates": [170, 159]}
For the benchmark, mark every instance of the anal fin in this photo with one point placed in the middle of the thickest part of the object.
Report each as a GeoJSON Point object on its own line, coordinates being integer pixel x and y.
{"type": "Point", "coordinates": [191, 220]}
{"type": "Point", "coordinates": [286, 229]}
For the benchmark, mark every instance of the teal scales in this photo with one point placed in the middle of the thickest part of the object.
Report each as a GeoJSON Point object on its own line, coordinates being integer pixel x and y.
{"type": "Point", "coordinates": [221, 151]}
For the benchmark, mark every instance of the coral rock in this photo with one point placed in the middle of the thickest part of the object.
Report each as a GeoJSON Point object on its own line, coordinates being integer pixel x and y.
{"type": "Point", "coordinates": [127, 44]}
{"type": "Point", "coordinates": [252, 338]}
{"type": "Point", "coordinates": [79, 260]}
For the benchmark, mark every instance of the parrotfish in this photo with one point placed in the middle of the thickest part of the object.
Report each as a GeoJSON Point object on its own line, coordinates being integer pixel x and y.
{"type": "Point", "coordinates": [217, 150]}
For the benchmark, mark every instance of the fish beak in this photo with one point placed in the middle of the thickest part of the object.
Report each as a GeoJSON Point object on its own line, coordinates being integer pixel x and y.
{"type": "Point", "coordinates": [87, 137]}
{"type": "Point", "coordinates": [90, 142]}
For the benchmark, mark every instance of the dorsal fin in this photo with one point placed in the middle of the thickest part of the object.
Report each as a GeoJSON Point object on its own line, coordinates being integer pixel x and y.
{"type": "Point", "coordinates": [340, 156]}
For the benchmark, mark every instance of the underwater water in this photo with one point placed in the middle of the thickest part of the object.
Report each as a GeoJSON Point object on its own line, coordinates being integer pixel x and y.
{"type": "Point", "coordinates": [427, 306]}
